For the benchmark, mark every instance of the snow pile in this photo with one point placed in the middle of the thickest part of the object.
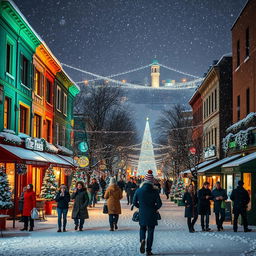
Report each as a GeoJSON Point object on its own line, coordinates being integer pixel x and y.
{"type": "Point", "coordinates": [50, 148]}
{"type": "Point", "coordinates": [10, 137]}
{"type": "Point", "coordinates": [23, 135]}
{"type": "Point", "coordinates": [250, 118]}
{"type": "Point", "coordinates": [65, 150]}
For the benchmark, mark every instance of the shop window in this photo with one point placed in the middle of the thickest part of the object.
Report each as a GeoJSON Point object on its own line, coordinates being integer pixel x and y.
{"type": "Point", "coordinates": [229, 185]}
{"type": "Point", "coordinates": [7, 112]}
{"type": "Point", "coordinates": [58, 98]}
{"type": "Point", "coordinates": [10, 171]}
{"type": "Point", "coordinates": [48, 91]}
{"type": "Point", "coordinates": [247, 179]}
{"type": "Point", "coordinates": [48, 130]}
{"type": "Point", "coordinates": [65, 104]}
{"type": "Point", "coordinates": [36, 180]}
{"type": "Point", "coordinates": [247, 43]}
{"type": "Point", "coordinates": [37, 126]}
{"type": "Point", "coordinates": [57, 132]}
{"type": "Point", "coordinates": [24, 70]}
{"type": "Point", "coordinates": [9, 53]}
{"type": "Point", "coordinates": [57, 173]}
{"type": "Point", "coordinates": [23, 119]}
{"type": "Point", "coordinates": [38, 81]}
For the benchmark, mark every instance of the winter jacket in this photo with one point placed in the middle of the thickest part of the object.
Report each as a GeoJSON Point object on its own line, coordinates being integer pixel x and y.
{"type": "Point", "coordinates": [29, 202]}
{"type": "Point", "coordinates": [203, 203]}
{"type": "Point", "coordinates": [21, 202]}
{"type": "Point", "coordinates": [167, 186]}
{"type": "Point", "coordinates": [241, 199]}
{"type": "Point", "coordinates": [95, 188]}
{"type": "Point", "coordinates": [217, 203]}
{"type": "Point", "coordinates": [121, 184]}
{"type": "Point", "coordinates": [148, 201]}
{"type": "Point", "coordinates": [190, 205]}
{"type": "Point", "coordinates": [80, 206]}
{"type": "Point", "coordinates": [103, 184]}
{"type": "Point", "coordinates": [130, 188]}
{"type": "Point", "coordinates": [113, 195]}
{"type": "Point", "coordinates": [62, 201]}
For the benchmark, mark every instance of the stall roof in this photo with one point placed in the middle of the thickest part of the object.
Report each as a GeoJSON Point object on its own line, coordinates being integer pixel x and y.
{"type": "Point", "coordinates": [17, 154]}
{"type": "Point", "coordinates": [241, 161]}
{"type": "Point", "coordinates": [201, 165]}
{"type": "Point", "coordinates": [219, 163]}
{"type": "Point", "coordinates": [69, 159]}
{"type": "Point", "coordinates": [54, 159]}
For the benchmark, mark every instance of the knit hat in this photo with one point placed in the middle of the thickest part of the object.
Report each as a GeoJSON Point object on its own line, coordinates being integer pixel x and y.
{"type": "Point", "coordinates": [149, 176]}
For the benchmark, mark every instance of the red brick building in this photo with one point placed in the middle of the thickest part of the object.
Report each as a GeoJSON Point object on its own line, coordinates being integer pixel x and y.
{"type": "Point", "coordinates": [244, 62]}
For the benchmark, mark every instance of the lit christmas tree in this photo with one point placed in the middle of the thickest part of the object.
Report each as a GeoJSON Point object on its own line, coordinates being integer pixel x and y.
{"type": "Point", "coordinates": [49, 186]}
{"type": "Point", "coordinates": [179, 189]}
{"type": "Point", "coordinates": [78, 176]}
{"type": "Point", "coordinates": [5, 191]}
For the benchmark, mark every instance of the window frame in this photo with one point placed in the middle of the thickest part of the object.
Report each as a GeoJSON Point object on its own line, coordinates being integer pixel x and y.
{"type": "Point", "coordinates": [48, 94]}
{"type": "Point", "coordinates": [37, 126]}
{"type": "Point", "coordinates": [24, 71]}
{"type": "Point", "coordinates": [65, 104]}
{"type": "Point", "coordinates": [7, 118]}
{"type": "Point", "coordinates": [58, 98]}
{"type": "Point", "coordinates": [25, 125]}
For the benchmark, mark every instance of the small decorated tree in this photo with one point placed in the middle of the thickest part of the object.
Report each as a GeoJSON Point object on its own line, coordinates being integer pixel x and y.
{"type": "Point", "coordinates": [78, 176]}
{"type": "Point", "coordinates": [5, 191]}
{"type": "Point", "coordinates": [49, 186]}
{"type": "Point", "coordinates": [179, 189]}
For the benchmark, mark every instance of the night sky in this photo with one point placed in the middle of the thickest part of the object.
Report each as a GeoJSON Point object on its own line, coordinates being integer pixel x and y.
{"type": "Point", "coordinates": [111, 36]}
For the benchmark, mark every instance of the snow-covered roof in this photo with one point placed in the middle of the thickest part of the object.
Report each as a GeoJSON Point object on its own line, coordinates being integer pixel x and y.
{"type": "Point", "coordinates": [201, 165]}
{"type": "Point", "coordinates": [53, 159]}
{"type": "Point", "coordinates": [69, 159]}
{"type": "Point", "coordinates": [240, 161]}
{"type": "Point", "coordinates": [219, 163]}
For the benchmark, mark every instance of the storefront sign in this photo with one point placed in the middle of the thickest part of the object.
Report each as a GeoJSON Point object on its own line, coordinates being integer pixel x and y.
{"type": "Point", "coordinates": [209, 152]}
{"type": "Point", "coordinates": [34, 144]}
{"type": "Point", "coordinates": [83, 161]}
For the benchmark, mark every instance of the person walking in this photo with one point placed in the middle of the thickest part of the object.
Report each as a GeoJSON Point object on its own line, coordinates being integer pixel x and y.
{"type": "Point", "coordinates": [62, 198]}
{"type": "Point", "coordinates": [94, 191]}
{"type": "Point", "coordinates": [103, 185]}
{"type": "Point", "coordinates": [219, 195]}
{"type": "Point", "coordinates": [80, 212]}
{"type": "Point", "coordinates": [204, 197]}
{"type": "Point", "coordinates": [121, 184]}
{"type": "Point", "coordinates": [167, 188]}
{"type": "Point", "coordinates": [241, 199]}
{"type": "Point", "coordinates": [190, 200]}
{"type": "Point", "coordinates": [21, 203]}
{"type": "Point", "coordinates": [128, 191]}
{"type": "Point", "coordinates": [113, 195]}
{"type": "Point", "coordinates": [148, 200]}
{"type": "Point", "coordinates": [29, 204]}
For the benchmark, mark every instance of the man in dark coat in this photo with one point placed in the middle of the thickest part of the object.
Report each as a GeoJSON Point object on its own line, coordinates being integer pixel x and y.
{"type": "Point", "coordinates": [204, 197]}
{"type": "Point", "coordinates": [130, 190]}
{"type": "Point", "coordinates": [167, 188]}
{"type": "Point", "coordinates": [121, 184]}
{"type": "Point", "coordinates": [219, 196]}
{"type": "Point", "coordinates": [148, 201]}
{"type": "Point", "coordinates": [103, 185]}
{"type": "Point", "coordinates": [241, 199]}
{"type": "Point", "coordinates": [94, 191]}
{"type": "Point", "coordinates": [80, 211]}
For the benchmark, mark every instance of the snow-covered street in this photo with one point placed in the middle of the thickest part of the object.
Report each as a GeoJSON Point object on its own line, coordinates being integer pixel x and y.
{"type": "Point", "coordinates": [171, 237]}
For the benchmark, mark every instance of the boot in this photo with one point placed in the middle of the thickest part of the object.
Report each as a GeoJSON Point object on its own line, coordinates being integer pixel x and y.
{"type": "Point", "coordinates": [142, 246]}
{"type": "Point", "coordinates": [116, 227]}
{"type": "Point", "coordinates": [76, 227]}
{"type": "Point", "coordinates": [247, 230]}
{"type": "Point", "coordinates": [59, 230]}
{"type": "Point", "coordinates": [24, 229]}
{"type": "Point", "coordinates": [31, 229]}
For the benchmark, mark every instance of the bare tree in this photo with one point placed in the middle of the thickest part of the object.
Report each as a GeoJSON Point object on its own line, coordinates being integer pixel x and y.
{"type": "Point", "coordinates": [176, 130]}
{"type": "Point", "coordinates": [110, 124]}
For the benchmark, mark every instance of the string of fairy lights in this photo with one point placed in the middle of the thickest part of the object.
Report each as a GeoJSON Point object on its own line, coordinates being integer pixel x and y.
{"type": "Point", "coordinates": [109, 78]}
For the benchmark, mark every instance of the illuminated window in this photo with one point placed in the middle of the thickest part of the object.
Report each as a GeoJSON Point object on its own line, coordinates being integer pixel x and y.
{"type": "Point", "coordinates": [48, 130]}
{"type": "Point", "coordinates": [48, 91]}
{"type": "Point", "coordinates": [7, 112]}
{"type": "Point", "coordinates": [37, 126]}
{"type": "Point", "coordinates": [23, 120]}
{"type": "Point", "coordinates": [247, 179]}
{"type": "Point", "coordinates": [38, 83]}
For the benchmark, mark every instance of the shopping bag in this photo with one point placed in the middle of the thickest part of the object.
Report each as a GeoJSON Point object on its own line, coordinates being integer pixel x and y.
{"type": "Point", "coordinates": [34, 214]}
{"type": "Point", "coordinates": [105, 208]}
{"type": "Point", "coordinates": [135, 216]}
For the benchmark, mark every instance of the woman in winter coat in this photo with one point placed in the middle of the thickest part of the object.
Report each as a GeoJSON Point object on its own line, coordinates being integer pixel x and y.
{"type": "Point", "coordinates": [80, 212]}
{"type": "Point", "coordinates": [28, 205]}
{"type": "Point", "coordinates": [190, 200]}
{"type": "Point", "coordinates": [21, 203]}
{"type": "Point", "coordinates": [113, 195]}
{"type": "Point", "coordinates": [62, 198]}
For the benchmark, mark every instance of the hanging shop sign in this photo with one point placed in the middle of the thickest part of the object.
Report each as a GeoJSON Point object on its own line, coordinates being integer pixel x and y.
{"type": "Point", "coordinates": [34, 144]}
{"type": "Point", "coordinates": [83, 161]}
{"type": "Point", "coordinates": [83, 146]}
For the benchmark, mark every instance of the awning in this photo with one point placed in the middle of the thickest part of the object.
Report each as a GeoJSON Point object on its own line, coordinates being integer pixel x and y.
{"type": "Point", "coordinates": [20, 155]}
{"type": "Point", "coordinates": [55, 160]}
{"type": "Point", "coordinates": [69, 159]}
{"type": "Point", "coordinates": [246, 163]}
{"type": "Point", "coordinates": [199, 166]}
{"type": "Point", "coordinates": [216, 167]}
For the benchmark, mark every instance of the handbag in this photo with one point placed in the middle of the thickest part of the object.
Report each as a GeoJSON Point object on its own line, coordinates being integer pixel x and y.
{"type": "Point", "coordinates": [105, 208]}
{"type": "Point", "coordinates": [158, 216]}
{"type": "Point", "coordinates": [34, 214]}
{"type": "Point", "coordinates": [223, 204]}
{"type": "Point", "coordinates": [135, 216]}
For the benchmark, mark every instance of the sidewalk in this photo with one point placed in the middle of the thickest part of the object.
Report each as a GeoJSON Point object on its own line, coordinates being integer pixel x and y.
{"type": "Point", "coordinates": [171, 237]}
